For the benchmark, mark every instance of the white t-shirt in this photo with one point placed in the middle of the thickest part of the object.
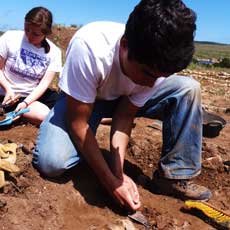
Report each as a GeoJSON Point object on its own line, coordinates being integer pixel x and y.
{"type": "Point", "coordinates": [26, 64]}
{"type": "Point", "coordinates": [92, 69]}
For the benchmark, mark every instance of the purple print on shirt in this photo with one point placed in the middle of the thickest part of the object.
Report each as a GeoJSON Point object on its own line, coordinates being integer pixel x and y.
{"type": "Point", "coordinates": [30, 65]}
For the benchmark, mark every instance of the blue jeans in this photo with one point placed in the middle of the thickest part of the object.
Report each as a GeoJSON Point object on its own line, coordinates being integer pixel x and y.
{"type": "Point", "coordinates": [177, 101]}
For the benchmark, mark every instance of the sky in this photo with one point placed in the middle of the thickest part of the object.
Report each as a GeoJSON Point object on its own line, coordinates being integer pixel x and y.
{"type": "Point", "coordinates": [213, 17]}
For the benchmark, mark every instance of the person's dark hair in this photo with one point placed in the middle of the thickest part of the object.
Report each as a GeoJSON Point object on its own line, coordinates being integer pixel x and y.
{"type": "Point", "coordinates": [40, 16]}
{"type": "Point", "coordinates": [160, 34]}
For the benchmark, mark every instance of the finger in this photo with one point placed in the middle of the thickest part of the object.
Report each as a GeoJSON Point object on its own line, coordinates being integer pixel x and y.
{"type": "Point", "coordinates": [17, 109]}
{"type": "Point", "coordinates": [133, 192]}
{"type": "Point", "coordinates": [117, 198]}
{"type": "Point", "coordinates": [135, 196]}
{"type": "Point", "coordinates": [127, 200]}
{"type": "Point", "coordinates": [11, 99]}
{"type": "Point", "coordinates": [16, 98]}
{"type": "Point", "coordinates": [124, 197]}
{"type": "Point", "coordinates": [131, 204]}
{"type": "Point", "coordinates": [6, 100]}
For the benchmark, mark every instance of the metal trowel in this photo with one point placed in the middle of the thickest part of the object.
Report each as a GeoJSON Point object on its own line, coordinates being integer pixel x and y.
{"type": "Point", "coordinates": [141, 219]}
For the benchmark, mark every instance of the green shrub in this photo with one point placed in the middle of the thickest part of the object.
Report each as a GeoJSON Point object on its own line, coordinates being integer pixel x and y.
{"type": "Point", "coordinates": [224, 63]}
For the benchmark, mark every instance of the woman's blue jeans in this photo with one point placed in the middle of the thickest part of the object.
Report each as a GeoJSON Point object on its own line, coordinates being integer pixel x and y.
{"type": "Point", "coordinates": [177, 102]}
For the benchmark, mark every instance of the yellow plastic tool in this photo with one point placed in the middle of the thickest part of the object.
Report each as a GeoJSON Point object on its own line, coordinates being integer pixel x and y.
{"type": "Point", "coordinates": [216, 215]}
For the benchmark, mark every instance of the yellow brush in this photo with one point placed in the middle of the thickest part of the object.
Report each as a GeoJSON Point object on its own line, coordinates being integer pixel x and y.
{"type": "Point", "coordinates": [210, 211]}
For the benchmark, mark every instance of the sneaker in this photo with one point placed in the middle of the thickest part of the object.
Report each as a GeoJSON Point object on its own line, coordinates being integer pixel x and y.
{"type": "Point", "coordinates": [183, 189]}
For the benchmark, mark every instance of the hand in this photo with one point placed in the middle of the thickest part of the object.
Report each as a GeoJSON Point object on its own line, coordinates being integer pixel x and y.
{"type": "Point", "coordinates": [9, 97]}
{"type": "Point", "coordinates": [126, 193]}
{"type": "Point", "coordinates": [21, 105]}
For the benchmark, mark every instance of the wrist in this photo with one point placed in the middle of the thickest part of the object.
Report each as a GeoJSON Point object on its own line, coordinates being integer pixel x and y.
{"type": "Point", "coordinates": [110, 183]}
{"type": "Point", "coordinates": [25, 103]}
{"type": "Point", "coordinates": [116, 166]}
{"type": "Point", "coordinates": [117, 171]}
{"type": "Point", "coordinates": [5, 84]}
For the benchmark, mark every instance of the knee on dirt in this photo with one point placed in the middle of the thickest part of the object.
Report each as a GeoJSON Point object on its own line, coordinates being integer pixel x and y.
{"type": "Point", "coordinates": [48, 166]}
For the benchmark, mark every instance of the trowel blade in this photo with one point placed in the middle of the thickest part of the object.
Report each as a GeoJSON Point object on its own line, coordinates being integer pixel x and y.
{"type": "Point", "coordinates": [140, 218]}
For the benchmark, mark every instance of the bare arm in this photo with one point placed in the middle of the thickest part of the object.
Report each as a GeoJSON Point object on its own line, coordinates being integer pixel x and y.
{"type": "Point", "coordinates": [39, 90]}
{"type": "Point", "coordinates": [9, 94]}
{"type": "Point", "coordinates": [78, 114]}
{"type": "Point", "coordinates": [122, 124]}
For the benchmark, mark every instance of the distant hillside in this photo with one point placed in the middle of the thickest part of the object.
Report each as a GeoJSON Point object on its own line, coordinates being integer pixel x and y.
{"type": "Point", "coordinates": [210, 43]}
{"type": "Point", "coordinates": [211, 50]}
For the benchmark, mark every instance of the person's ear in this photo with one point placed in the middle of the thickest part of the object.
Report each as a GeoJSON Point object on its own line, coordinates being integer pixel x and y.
{"type": "Point", "coordinates": [124, 43]}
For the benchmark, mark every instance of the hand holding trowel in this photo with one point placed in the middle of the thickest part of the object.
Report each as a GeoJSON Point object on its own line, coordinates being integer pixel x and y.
{"type": "Point", "coordinates": [8, 118]}
{"type": "Point", "coordinates": [7, 103]}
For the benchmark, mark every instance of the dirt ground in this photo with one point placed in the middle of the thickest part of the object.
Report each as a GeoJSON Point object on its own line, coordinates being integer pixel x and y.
{"type": "Point", "coordinates": [77, 201]}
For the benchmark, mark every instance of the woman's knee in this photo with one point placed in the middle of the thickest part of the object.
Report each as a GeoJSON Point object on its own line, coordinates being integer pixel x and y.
{"type": "Point", "coordinates": [37, 113]}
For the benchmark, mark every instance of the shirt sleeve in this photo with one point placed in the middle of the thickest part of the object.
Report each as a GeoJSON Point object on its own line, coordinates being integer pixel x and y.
{"type": "Point", "coordinates": [56, 60]}
{"type": "Point", "coordinates": [79, 75]}
{"type": "Point", "coordinates": [3, 45]}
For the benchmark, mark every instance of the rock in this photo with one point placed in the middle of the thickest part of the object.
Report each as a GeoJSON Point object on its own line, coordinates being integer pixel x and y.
{"type": "Point", "coordinates": [227, 110]}
{"type": "Point", "coordinates": [123, 224]}
{"type": "Point", "coordinates": [213, 162]}
{"type": "Point", "coordinates": [2, 203]}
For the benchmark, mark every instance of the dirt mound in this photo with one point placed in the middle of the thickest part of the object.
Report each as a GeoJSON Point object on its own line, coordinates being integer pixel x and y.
{"type": "Point", "coordinates": [61, 36]}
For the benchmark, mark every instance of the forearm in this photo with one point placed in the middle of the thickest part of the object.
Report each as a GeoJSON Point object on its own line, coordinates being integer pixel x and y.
{"type": "Point", "coordinates": [120, 134]}
{"type": "Point", "coordinates": [88, 146]}
{"type": "Point", "coordinates": [41, 88]}
{"type": "Point", "coordinates": [123, 189]}
{"type": "Point", "coordinates": [3, 82]}
{"type": "Point", "coordinates": [36, 93]}
{"type": "Point", "coordinates": [121, 128]}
